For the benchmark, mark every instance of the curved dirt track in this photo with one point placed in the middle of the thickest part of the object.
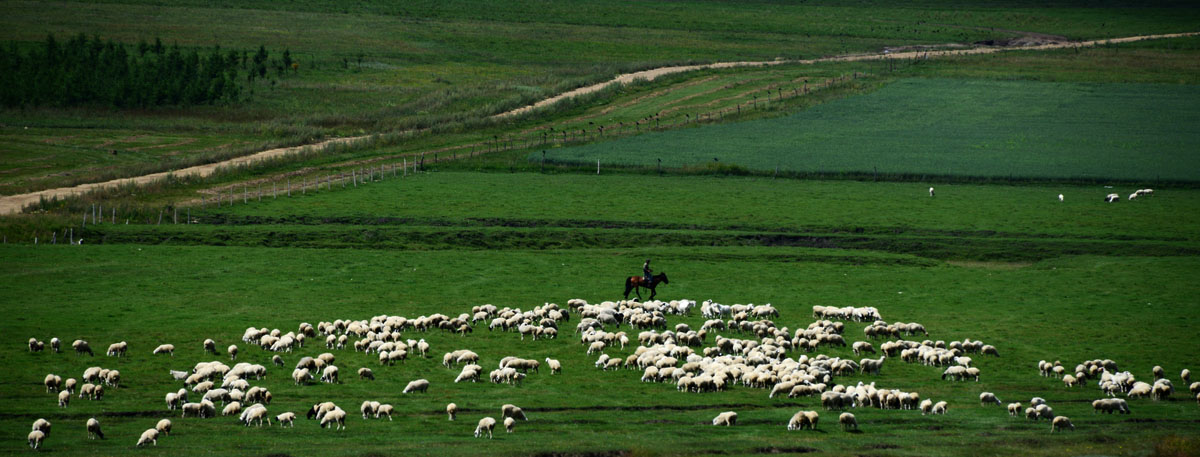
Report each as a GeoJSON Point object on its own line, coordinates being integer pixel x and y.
{"type": "Point", "coordinates": [650, 74]}
{"type": "Point", "coordinates": [15, 203]}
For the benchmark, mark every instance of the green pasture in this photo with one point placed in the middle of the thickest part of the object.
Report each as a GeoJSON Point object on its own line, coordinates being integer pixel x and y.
{"type": "Point", "coordinates": [938, 127]}
{"type": "Point", "coordinates": [1068, 309]}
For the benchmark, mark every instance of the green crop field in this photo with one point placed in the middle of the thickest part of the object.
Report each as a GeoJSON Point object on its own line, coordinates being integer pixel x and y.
{"type": "Point", "coordinates": [444, 207]}
{"type": "Point", "coordinates": [951, 127]}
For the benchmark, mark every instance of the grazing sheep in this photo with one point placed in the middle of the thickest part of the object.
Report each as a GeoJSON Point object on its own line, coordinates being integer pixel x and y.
{"type": "Point", "coordinates": [163, 426]}
{"type": "Point", "coordinates": [1112, 198]}
{"type": "Point", "coordinates": [277, 360]}
{"type": "Point", "coordinates": [930, 191]}
{"type": "Point", "coordinates": [926, 406]}
{"type": "Point", "coordinates": [55, 344]}
{"type": "Point", "coordinates": [939, 407]}
{"type": "Point", "coordinates": [64, 399]}
{"type": "Point", "coordinates": [1158, 371]}
{"type": "Point", "coordinates": [231, 409]}
{"type": "Point", "coordinates": [117, 349]}
{"type": "Point", "coordinates": [420, 385]}
{"type": "Point", "coordinates": [848, 420]}
{"type": "Point", "coordinates": [1014, 409]}
{"type": "Point", "coordinates": [384, 410]}
{"type": "Point", "coordinates": [35, 345]}
{"type": "Point", "coordinates": [286, 419]}
{"type": "Point", "coordinates": [301, 376]}
{"type": "Point", "coordinates": [69, 385]}
{"type": "Point", "coordinates": [727, 418]}
{"type": "Point", "coordinates": [368, 408]}
{"type": "Point", "coordinates": [1035, 401]}
{"type": "Point", "coordinates": [508, 424]}
{"type": "Point", "coordinates": [168, 349]}
{"type": "Point", "coordinates": [1109, 405]}
{"type": "Point", "coordinates": [337, 416]}
{"type": "Point", "coordinates": [1185, 375]}
{"type": "Point", "coordinates": [150, 436]}
{"type": "Point", "coordinates": [556, 367]}
{"type": "Point", "coordinates": [1059, 422]}
{"type": "Point", "coordinates": [82, 346]}
{"type": "Point", "coordinates": [256, 413]}
{"type": "Point", "coordinates": [1060, 197]}
{"type": "Point", "coordinates": [860, 347]}
{"type": "Point", "coordinates": [451, 410]}
{"type": "Point", "coordinates": [98, 393]}
{"type": "Point", "coordinates": [330, 375]}
{"type": "Point", "coordinates": [485, 425]}
{"type": "Point", "coordinates": [35, 439]}
{"type": "Point", "coordinates": [233, 350]}
{"type": "Point", "coordinates": [42, 425]}
{"type": "Point", "coordinates": [366, 373]}
{"type": "Point", "coordinates": [513, 411]}
{"type": "Point", "coordinates": [210, 346]}
{"type": "Point", "coordinates": [987, 398]}
{"type": "Point", "coordinates": [93, 429]}
{"type": "Point", "coordinates": [1045, 412]}
{"type": "Point", "coordinates": [990, 350]}
{"type": "Point", "coordinates": [52, 382]}
{"type": "Point", "coordinates": [1031, 413]}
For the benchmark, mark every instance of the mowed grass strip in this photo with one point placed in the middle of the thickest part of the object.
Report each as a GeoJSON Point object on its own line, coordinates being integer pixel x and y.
{"type": "Point", "coordinates": [945, 127]}
{"type": "Point", "coordinates": [1132, 310]}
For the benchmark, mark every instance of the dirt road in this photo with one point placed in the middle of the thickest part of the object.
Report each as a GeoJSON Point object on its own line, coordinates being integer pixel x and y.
{"type": "Point", "coordinates": [15, 203]}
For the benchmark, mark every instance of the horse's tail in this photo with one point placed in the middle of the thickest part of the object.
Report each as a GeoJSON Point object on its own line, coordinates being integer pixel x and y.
{"type": "Point", "coordinates": [628, 282]}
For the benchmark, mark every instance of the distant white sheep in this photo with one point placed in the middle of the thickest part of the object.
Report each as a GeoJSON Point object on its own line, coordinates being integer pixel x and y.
{"type": "Point", "coordinates": [485, 426]}
{"type": "Point", "coordinates": [556, 367]}
{"type": "Point", "coordinates": [163, 426]}
{"type": "Point", "coordinates": [1061, 422]}
{"type": "Point", "coordinates": [939, 407]}
{"type": "Point", "coordinates": [93, 429]}
{"type": "Point", "coordinates": [286, 419]}
{"type": "Point", "coordinates": [988, 398]}
{"type": "Point", "coordinates": [35, 439]}
{"type": "Point", "coordinates": [451, 410]}
{"type": "Point", "coordinates": [1014, 409]}
{"type": "Point", "coordinates": [727, 418]}
{"type": "Point", "coordinates": [149, 436]}
{"type": "Point", "coordinates": [508, 424]}
{"type": "Point", "coordinates": [848, 421]}
{"type": "Point", "coordinates": [420, 385]}
{"type": "Point", "coordinates": [168, 349]}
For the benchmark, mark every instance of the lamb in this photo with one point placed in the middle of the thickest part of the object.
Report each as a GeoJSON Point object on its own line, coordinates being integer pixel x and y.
{"type": "Point", "coordinates": [64, 398]}
{"type": "Point", "coordinates": [512, 411]}
{"type": "Point", "coordinates": [163, 426]}
{"type": "Point", "coordinates": [35, 439]}
{"type": "Point", "coordinates": [1060, 422]}
{"type": "Point", "coordinates": [485, 425]}
{"type": "Point", "coordinates": [168, 349]}
{"type": "Point", "coordinates": [1014, 409]}
{"type": "Point", "coordinates": [117, 349]}
{"type": "Point", "coordinates": [366, 373]}
{"type": "Point", "coordinates": [82, 346]}
{"type": "Point", "coordinates": [210, 346]}
{"type": "Point", "coordinates": [93, 429]}
{"type": "Point", "coordinates": [848, 421]}
{"type": "Point", "coordinates": [988, 398]}
{"type": "Point", "coordinates": [233, 350]}
{"type": "Point", "coordinates": [335, 417]}
{"type": "Point", "coordinates": [420, 385]}
{"type": "Point", "coordinates": [451, 410]}
{"type": "Point", "coordinates": [727, 418]}
{"type": "Point", "coordinates": [556, 367]}
{"type": "Point", "coordinates": [508, 424]}
{"type": "Point", "coordinates": [149, 436]}
{"type": "Point", "coordinates": [286, 419]}
{"type": "Point", "coordinates": [384, 410]}
{"type": "Point", "coordinates": [939, 407]}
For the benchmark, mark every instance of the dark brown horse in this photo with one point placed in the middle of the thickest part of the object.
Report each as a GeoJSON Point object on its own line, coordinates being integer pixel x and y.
{"type": "Point", "coordinates": [636, 283]}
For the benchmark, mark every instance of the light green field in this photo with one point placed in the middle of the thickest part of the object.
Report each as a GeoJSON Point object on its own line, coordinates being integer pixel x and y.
{"type": "Point", "coordinates": [936, 127]}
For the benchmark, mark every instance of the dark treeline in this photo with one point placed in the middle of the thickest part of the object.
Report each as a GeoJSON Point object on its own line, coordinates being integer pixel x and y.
{"type": "Point", "coordinates": [91, 72]}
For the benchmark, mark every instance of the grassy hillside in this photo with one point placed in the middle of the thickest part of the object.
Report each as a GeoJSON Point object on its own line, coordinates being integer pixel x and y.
{"type": "Point", "coordinates": [953, 128]}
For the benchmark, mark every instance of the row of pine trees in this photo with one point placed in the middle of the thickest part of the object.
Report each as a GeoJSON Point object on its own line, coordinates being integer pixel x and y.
{"type": "Point", "coordinates": [89, 72]}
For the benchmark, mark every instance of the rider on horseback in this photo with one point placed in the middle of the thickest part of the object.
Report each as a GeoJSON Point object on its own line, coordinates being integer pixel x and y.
{"type": "Point", "coordinates": [646, 272]}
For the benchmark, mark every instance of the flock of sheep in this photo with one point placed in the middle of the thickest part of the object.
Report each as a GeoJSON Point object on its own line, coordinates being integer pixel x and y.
{"type": "Point", "coordinates": [737, 345]}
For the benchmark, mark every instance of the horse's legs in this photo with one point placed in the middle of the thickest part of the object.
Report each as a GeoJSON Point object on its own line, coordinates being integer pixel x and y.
{"type": "Point", "coordinates": [653, 292]}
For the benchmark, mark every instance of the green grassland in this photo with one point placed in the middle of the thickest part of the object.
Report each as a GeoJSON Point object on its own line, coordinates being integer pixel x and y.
{"type": "Point", "coordinates": [1070, 309]}
{"type": "Point", "coordinates": [951, 127]}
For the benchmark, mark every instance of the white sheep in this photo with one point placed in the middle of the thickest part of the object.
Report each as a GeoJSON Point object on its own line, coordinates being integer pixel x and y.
{"type": "Point", "coordinates": [231, 409]}
{"type": "Point", "coordinates": [1158, 371]}
{"type": "Point", "coordinates": [277, 360]}
{"type": "Point", "coordinates": [926, 406]}
{"type": "Point", "coordinates": [1060, 197]}
{"type": "Point", "coordinates": [93, 429]}
{"type": "Point", "coordinates": [301, 376]}
{"type": "Point", "coordinates": [987, 398]}
{"type": "Point", "coordinates": [930, 191]}
{"type": "Point", "coordinates": [939, 407]}
{"type": "Point", "coordinates": [286, 419]}
{"type": "Point", "coordinates": [384, 410]}
{"type": "Point", "coordinates": [803, 419]}
{"type": "Point", "coordinates": [337, 416]}
{"type": "Point", "coordinates": [42, 425]}
{"type": "Point", "coordinates": [168, 349]}
{"type": "Point", "coordinates": [52, 382]}
{"type": "Point", "coordinates": [451, 410]}
{"type": "Point", "coordinates": [233, 350]}
{"type": "Point", "coordinates": [210, 346]}
{"type": "Point", "coordinates": [64, 399]}
{"type": "Point", "coordinates": [508, 424]}
{"type": "Point", "coordinates": [848, 421]}
{"type": "Point", "coordinates": [420, 385]}
{"type": "Point", "coordinates": [1014, 409]}
{"type": "Point", "coordinates": [1060, 422]}
{"type": "Point", "coordinates": [1185, 375]}
{"type": "Point", "coordinates": [727, 418]}
{"type": "Point", "coordinates": [368, 408]}
{"type": "Point", "coordinates": [485, 425]}
{"type": "Point", "coordinates": [556, 367]}
{"type": "Point", "coordinates": [35, 439]}
{"type": "Point", "coordinates": [163, 426]}
{"type": "Point", "coordinates": [330, 374]}
{"type": "Point", "coordinates": [55, 344]}
{"type": "Point", "coordinates": [150, 436]}
{"type": "Point", "coordinates": [513, 411]}
{"type": "Point", "coordinates": [257, 413]}
{"type": "Point", "coordinates": [117, 349]}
